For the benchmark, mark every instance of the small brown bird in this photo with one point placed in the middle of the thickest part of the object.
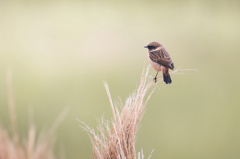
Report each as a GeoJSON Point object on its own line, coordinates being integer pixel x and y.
{"type": "Point", "coordinates": [160, 60]}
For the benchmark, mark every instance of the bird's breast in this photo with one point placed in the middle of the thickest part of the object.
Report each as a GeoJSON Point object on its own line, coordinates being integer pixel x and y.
{"type": "Point", "coordinates": [155, 65]}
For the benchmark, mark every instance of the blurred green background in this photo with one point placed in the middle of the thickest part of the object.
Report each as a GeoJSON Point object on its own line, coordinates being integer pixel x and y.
{"type": "Point", "coordinates": [60, 52]}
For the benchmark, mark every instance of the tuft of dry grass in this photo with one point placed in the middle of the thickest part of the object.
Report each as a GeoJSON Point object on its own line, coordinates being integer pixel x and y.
{"type": "Point", "coordinates": [115, 139]}
{"type": "Point", "coordinates": [34, 147]}
{"type": "Point", "coordinates": [118, 142]}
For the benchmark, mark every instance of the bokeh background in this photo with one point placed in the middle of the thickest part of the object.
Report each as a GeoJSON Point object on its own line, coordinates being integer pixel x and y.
{"type": "Point", "coordinates": [60, 52]}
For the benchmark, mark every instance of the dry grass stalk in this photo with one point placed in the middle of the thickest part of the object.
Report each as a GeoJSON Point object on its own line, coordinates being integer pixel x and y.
{"type": "Point", "coordinates": [116, 139]}
{"type": "Point", "coordinates": [11, 107]}
{"type": "Point", "coordinates": [33, 147]}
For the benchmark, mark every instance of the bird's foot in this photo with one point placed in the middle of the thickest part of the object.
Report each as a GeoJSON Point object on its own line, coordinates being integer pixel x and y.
{"type": "Point", "coordinates": [155, 79]}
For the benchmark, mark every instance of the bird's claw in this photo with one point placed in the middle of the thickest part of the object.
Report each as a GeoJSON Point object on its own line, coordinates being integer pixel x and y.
{"type": "Point", "coordinates": [155, 80]}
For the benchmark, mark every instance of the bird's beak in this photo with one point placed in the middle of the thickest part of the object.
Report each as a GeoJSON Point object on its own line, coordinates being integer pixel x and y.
{"type": "Point", "coordinates": [145, 46]}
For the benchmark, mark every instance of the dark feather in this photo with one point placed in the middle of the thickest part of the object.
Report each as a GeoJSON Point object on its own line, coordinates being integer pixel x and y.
{"type": "Point", "coordinates": [167, 79]}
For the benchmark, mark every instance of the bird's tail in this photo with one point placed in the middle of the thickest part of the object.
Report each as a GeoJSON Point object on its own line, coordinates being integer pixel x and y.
{"type": "Point", "coordinates": [166, 77]}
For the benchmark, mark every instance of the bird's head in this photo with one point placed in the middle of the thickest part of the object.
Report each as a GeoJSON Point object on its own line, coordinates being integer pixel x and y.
{"type": "Point", "coordinates": [153, 45]}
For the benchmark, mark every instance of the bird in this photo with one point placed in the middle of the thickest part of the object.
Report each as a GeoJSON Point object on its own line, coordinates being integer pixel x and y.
{"type": "Point", "coordinates": [160, 60]}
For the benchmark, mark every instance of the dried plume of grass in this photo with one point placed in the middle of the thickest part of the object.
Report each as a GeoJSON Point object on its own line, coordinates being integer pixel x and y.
{"type": "Point", "coordinates": [118, 142]}
{"type": "Point", "coordinates": [116, 139]}
{"type": "Point", "coordinates": [34, 147]}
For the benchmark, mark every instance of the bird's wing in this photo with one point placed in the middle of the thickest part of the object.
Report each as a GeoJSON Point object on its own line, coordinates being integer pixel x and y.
{"type": "Point", "coordinates": [161, 57]}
